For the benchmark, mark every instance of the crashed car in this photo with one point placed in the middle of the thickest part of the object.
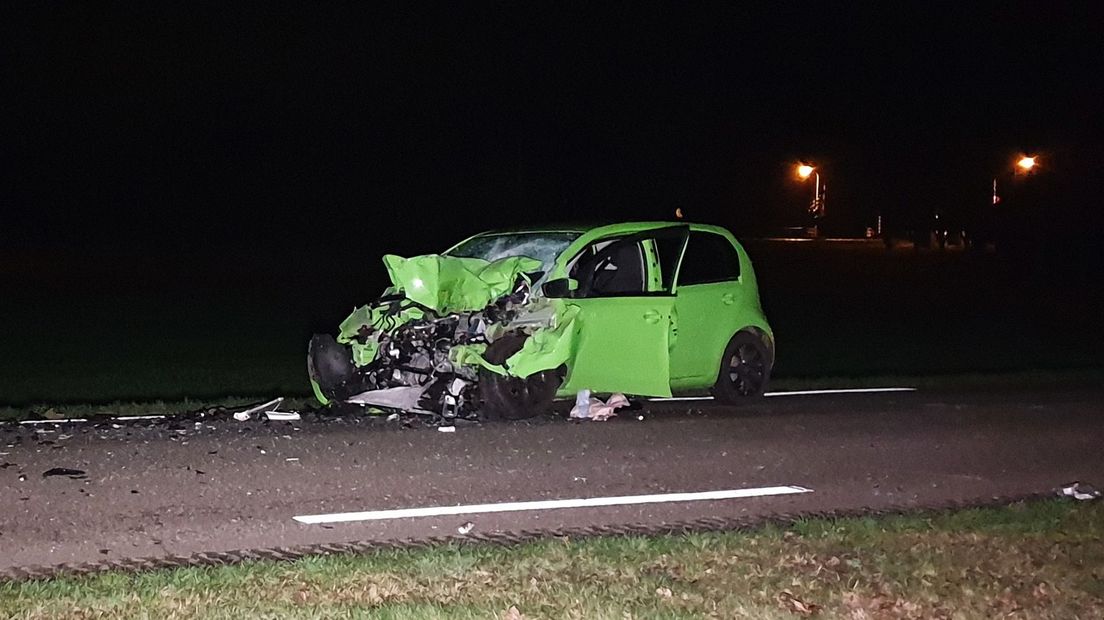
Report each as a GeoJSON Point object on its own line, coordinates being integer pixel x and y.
{"type": "Point", "coordinates": [504, 322]}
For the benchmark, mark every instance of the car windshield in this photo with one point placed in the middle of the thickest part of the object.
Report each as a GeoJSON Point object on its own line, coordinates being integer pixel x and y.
{"type": "Point", "coordinates": [543, 246]}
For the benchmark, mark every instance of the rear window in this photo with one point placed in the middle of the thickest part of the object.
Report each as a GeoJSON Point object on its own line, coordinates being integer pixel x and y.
{"type": "Point", "coordinates": [709, 258]}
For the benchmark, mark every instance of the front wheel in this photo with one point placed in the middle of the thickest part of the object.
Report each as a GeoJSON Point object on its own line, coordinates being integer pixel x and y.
{"type": "Point", "coordinates": [514, 398]}
{"type": "Point", "coordinates": [745, 369]}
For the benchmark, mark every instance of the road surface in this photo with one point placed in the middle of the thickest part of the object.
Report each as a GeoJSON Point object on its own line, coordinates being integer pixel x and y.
{"type": "Point", "coordinates": [153, 489]}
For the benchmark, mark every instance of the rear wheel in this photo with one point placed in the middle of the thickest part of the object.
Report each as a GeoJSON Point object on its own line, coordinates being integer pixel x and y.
{"type": "Point", "coordinates": [514, 398]}
{"type": "Point", "coordinates": [745, 369]}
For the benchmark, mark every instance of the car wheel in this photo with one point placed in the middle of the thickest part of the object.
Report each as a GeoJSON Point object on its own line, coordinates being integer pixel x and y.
{"type": "Point", "coordinates": [514, 398]}
{"type": "Point", "coordinates": [745, 369]}
{"type": "Point", "coordinates": [329, 365]}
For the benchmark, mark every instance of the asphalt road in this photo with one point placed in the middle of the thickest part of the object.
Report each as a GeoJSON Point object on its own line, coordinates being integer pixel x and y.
{"type": "Point", "coordinates": [154, 488]}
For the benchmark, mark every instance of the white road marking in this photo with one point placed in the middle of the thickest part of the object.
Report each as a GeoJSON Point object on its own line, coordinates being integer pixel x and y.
{"type": "Point", "coordinates": [678, 398]}
{"type": "Point", "coordinates": [126, 418]}
{"type": "Point", "coordinates": [796, 393]}
{"type": "Point", "coordinates": [61, 421]}
{"type": "Point", "coordinates": [590, 502]}
{"type": "Point", "coordinates": [842, 391]}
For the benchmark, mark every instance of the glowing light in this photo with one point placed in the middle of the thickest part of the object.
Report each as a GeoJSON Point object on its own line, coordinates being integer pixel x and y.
{"type": "Point", "coordinates": [1026, 163]}
{"type": "Point", "coordinates": [804, 170]}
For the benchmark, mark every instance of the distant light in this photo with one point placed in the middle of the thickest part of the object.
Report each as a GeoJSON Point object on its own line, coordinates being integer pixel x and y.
{"type": "Point", "coordinates": [1026, 163]}
{"type": "Point", "coordinates": [804, 171]}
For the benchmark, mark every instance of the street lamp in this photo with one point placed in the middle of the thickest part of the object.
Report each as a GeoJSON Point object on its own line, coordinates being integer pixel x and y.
{"type": "Point", "coordinates": [1026, 164]}
{"type": "Point", "coordinates": [804, 171]}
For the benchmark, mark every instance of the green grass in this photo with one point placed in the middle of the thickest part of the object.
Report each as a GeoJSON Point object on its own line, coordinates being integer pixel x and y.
{"type": "Point", "coordinates": [1034, 379]}
{"type": "Point", "coordinates": [157, 407]}
{"type": "Point", "coordinates": [1042, 560]}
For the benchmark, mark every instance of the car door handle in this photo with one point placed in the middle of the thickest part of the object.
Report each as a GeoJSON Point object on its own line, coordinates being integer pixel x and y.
{"type": "Point", "coordinates": [728, 299]}
{"type": "Point", "coordinates": [651, 316]}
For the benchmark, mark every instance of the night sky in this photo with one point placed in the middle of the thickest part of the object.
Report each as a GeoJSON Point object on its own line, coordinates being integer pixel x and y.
{"type": "Point", "coordinates": [294, 128]}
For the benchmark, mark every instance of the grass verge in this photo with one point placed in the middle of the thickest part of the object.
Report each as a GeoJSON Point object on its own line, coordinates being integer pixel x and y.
{"type": "Point", "coordinates": [1034, 379]}
{"type": "Point", "coordinates": [1041, 560]}
{"type": "Point", "coordinates": [123, 408]}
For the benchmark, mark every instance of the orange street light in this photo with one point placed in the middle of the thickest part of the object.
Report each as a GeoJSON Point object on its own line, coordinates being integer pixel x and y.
{"type": "Point", "coordinates": [1026, 163]}
{"type": "Point", "coordinates": [804, 171]}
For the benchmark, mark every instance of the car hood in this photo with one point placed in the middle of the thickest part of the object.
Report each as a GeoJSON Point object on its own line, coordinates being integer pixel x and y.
{"type": "Point", "coordinates": [448, 284]}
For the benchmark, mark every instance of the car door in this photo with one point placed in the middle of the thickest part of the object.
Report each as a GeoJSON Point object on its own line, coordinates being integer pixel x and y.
{"type": "Point", "coordinates": [707, 305]}
{"type": "Point", "coordinates": [625, 316]}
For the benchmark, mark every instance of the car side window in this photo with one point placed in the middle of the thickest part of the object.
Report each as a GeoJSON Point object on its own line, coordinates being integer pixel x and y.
{"type": "Point", "coordinates": [669, 249]}
{"type": "Point", "coordinates": [606, 274]}
{"type": "Point", "coordinates": [709, 257]}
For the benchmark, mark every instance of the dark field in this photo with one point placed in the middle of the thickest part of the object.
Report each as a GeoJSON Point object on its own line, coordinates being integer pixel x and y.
{"type": "Point", "coordinates": [236, 324]}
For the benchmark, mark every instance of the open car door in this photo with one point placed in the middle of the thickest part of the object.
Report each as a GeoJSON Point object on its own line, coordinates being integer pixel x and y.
{"type": "Point", "coordinates": [625, 315]}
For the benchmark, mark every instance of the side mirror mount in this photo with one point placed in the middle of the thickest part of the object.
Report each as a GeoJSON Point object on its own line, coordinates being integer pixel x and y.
{"type": "Point", "coordinates": [560, 287]}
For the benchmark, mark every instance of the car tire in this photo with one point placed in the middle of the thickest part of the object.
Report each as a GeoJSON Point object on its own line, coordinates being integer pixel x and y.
{"type": "Point", "coordinates": [744, 370]}
{"type": "Point", "coordinates": [514, 398]}
{"type": "Point", "coordinates": [329, 365]}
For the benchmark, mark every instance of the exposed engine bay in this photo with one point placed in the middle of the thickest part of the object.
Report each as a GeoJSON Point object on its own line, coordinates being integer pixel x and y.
{"type": "Point", "coordinates": [399, 354]}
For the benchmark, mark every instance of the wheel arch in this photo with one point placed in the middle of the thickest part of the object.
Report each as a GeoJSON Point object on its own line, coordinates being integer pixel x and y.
{"type": "Point", "coordinates": [762, 334]}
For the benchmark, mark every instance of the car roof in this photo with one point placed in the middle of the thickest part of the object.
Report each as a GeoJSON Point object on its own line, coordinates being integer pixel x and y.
{"type": "Point", "coordinates": [582, 227]}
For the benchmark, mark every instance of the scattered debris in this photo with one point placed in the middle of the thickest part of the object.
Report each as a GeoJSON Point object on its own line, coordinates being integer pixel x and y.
{"type": "Point", "coordinates": [663, 592]}
{"type": "Point", "coordinates": [513, 613]}
{"type": "Point", "coordinates": [292, 459]}
{"type": "Point", "coordinates": [75, 474]}
{"type": "Point", "coordinates": [242, 416]}
{"type": "Point", "coordinates": [446, 429]}
{"type": "Point", "coordinates": [1079, 491]}
{"type": "Point", "coordinates": [283, 416]}
{"type": "Point", "coordinates": [467, 527]}
{"type": "Point", "coordinates": [589, 408]}
{"type": "Point", "coordinates": [394, 417]}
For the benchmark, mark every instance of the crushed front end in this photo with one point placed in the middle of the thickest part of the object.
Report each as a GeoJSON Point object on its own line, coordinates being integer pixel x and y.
{"type": "Point", "coordinates": [419, 348]}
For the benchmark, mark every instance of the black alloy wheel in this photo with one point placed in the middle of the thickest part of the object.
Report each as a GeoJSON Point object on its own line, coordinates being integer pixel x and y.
{"type": "Point", "coordinates": [745, 369]}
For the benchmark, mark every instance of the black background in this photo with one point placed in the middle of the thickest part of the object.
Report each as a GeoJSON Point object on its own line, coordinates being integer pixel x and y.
{"type": "Point", "coordinates": [279, 129]}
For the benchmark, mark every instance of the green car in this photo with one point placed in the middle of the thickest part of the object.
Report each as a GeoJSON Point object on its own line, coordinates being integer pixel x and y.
{"type": "Point", "coordinates": [504, 322]}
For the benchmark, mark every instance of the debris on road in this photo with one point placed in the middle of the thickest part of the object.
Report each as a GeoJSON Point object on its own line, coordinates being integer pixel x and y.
{"type": "Point", "coordinates": [467, 527]}
{"type": "Point", "coordinates": [1079, 491]}
{"type": "Point", "coordinates": [446, 429]}
{"type": "Point", "coordinates": [283, 416]}
{"type": "Point", "coordinates": [589, 408]}
{"type": "Point", "coordinates": [75, 474]}
{"type": "Point", "coordinates": [242, 416]}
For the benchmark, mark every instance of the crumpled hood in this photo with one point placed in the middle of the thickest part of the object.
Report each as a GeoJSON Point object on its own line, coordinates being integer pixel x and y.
{"type": "Point", "coordinates": [450, 284]}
